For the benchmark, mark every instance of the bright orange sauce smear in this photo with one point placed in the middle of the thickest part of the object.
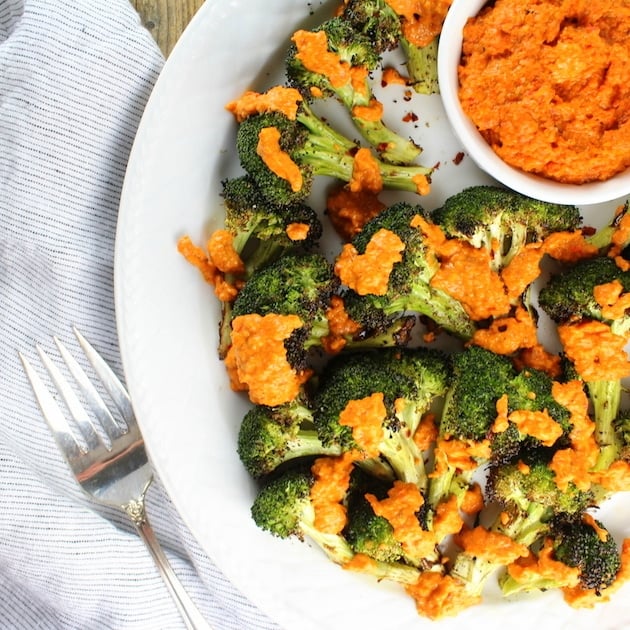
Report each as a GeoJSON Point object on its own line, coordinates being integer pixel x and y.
{"type": "Point", "coordinates": [278, 99]}
{"type": "Point", "coordinates": [544, 566]}
{"type": "Point", "coordinates": [597, 353]}
{"type": "Point", "coordinates": [366, 175]}
{"type": "Point", "coordinates": [365, 417]}
{"type": "Point", "coordinates": [260, 359]}
{"type": "Point", "coordinates": [340, 326]}
{"type": "Point", "coordinates": [538, 424]}
{"type": "Point", "coordinates": [422, 18]}
{"type": "Point", "coordinates": [349, 211]}
{"type": "Point", "coordinates": [400, 509]}
{"type": "Point", "coordinates": [437, 596]}
{"type": "Point", "coordinates": [312, 51]}
{"type": "Point", "coordinates": [276, 159]}
{"type": "Point", "coordinates": [369, 273]}
{"type": "Point", "coordinates": [332, 479]}
{"type": "Point", "coordinates": [491, 546]}
{"type": "Point", "coordinates": [222, 252]}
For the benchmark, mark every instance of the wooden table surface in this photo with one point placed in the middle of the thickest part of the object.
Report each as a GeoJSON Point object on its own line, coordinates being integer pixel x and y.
{"type": "Point", "coordinates": [166, 19]}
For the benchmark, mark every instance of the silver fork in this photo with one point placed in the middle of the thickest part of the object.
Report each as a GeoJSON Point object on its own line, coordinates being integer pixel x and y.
{"type": "Point", "coordinates": [110, 463]}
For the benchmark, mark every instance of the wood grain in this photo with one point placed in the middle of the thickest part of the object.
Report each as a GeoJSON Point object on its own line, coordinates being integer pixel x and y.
{"type": "Point", "coordinates": [166, 19]}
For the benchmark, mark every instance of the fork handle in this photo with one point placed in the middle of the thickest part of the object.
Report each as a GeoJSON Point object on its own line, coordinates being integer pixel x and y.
{"type": "Point", "coordinates": [189, 611]}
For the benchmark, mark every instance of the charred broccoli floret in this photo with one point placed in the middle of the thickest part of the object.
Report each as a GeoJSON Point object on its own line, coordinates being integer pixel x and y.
{"type": "Point", "coordinates": [371, 534]}
{"type": "Point", "coordinates": [260, 228]}
{"type": "Point", "coordinates": [570, 298]}
{"type": "Point", "coordinates": [529, 501]}
{"type": "Point", "coordinates": [405, 398]}
{"type": "Point", "coordinates": [479, 379]}
{"type": "Point", "coordinates": [377, 19]}
{"type": "Point", "coordinates": [409, 287]}
{"type": "Point", "coordinates": [261, 231]}
{"type": "Point", "coordinates": [284, 508]}
{"type": "Point", "coordinates": [314, 148]}
{"type": "Point", "coordinates": [271, 436]}
{"type": "Point", "coordinates": [299, 285]}
{"type": "Point", "coordinates": [356, 54]}
{"type": "Point", "coordinates": [579, 544]}
{"type": "Point", "coordinates": [502, 221]}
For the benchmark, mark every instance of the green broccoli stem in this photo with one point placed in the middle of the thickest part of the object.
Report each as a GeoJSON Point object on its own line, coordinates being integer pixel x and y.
{"type": "Point", "coordinates": [225, 329]}
{"type": "Point", "coordinates": [421, 64]}
{"type": "Point", "coordinates": [525, 529]}
{"type": "Point", "coordinates": [517, 241]}
{"type": "Point", "coordinates": [448, 313]}
{"type": "Point", "coordinates": [405, 459]}
{"type": "Point", "coordinates": [529, 526]}
{"type": "Point", "coordinates": [510, 586]}
{"type": "Point", "coordinates": [307, 444]}
{"type": "Point", "coordinates": [440, 486]}
{"type": "Point", "coordinates": [606, 399]}
{"type": "Point", "coordinates": [391, 147]}
{"type": "Point", "coordinates": [339, 551]}
{"type": "Point", "coordinates": [329, 153]}
{"type": "Point", "coordinates": [473, 571]}
{"type": "Point", "coordinates": [333, 545]}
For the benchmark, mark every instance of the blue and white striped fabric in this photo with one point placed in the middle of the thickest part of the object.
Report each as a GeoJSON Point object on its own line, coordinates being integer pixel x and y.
{"type": "Point", "coordinates": [74, 79]}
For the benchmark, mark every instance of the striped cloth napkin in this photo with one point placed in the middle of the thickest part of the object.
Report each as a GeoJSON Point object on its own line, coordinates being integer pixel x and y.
{"type": "Point", "coordinates": [74, 78]}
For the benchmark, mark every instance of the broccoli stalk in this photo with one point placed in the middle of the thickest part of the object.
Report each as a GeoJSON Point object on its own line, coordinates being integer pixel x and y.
{"type": "Point", "coordinates": [421, 64]}
{"type": "Point", "coordinates": [283, 507]}
{"type": "Point", "coordinates": [316, 149]}
{"type": "Point", "coordinates": [409, 287]}
{"type": "Point", "coordinates": [357, 52]}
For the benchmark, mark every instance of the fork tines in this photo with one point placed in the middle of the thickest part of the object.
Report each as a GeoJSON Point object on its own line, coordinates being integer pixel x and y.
{"type": "Point", "coordinates": [88, 428]}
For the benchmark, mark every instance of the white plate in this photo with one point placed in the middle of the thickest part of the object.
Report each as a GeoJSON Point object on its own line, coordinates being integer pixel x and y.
{"type": "Point", "coordinates": [168, 328]}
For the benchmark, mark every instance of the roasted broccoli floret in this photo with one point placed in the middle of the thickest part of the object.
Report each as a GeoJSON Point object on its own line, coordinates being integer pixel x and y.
{"type": "Point", "coordinates": [262, 233]}
{"type": "Point", "coordinates": [529, 390]}
{"type": "Point", "coordinates": [357, 56]}
{"type": "Point", "coordinates": [358, 376]}
{"type": "Point", "coordinates": [313, 148]}
{"type": "Point", "coordinates": [271, 436]}
{"type": "Point", "coordinates": [284, 508]}
{"type": "Point", "coordinates": [376, 328]}
{"type": "Point", "coordinates": [377, 19]}
{"type": "Point", "coordinates": [502, 221]}
{"type": "Point", "coordinates": [479, 379]}
{"type": "Point", "coordinates": [373, 535]}
{"type": "Point", "coordinates": [262, 229]}
{"type": "Point", "coordinates": [569, 297]}
{"type": "Point", "coordinates": [580, 544]}
{"type": "Point", "coordinates": [529, 501]}
{"type": "Point", "coordinates": [409, 287]}
{"type": "Point", "coordinates": [299, 285]}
